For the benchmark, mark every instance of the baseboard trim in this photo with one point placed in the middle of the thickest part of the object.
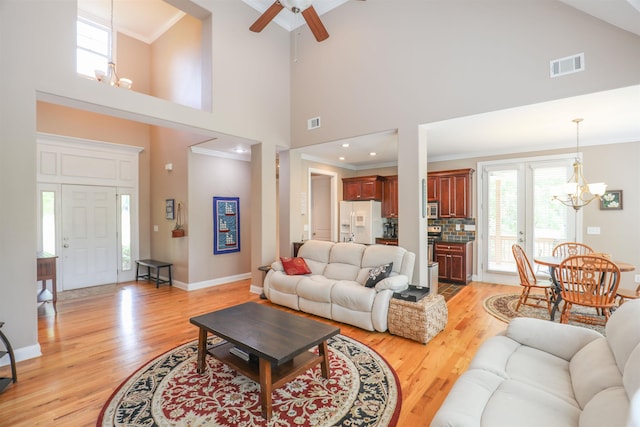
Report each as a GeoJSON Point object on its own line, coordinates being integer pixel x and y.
{"type": "Point", "coordinates": [23, 353]}
{"type": "Point", "coordinates": [214, 282]}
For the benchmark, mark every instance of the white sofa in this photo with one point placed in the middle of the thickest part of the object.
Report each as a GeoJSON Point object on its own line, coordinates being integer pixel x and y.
{"type": "Point", "coordinates": [542, 373]}
{"type": "Point", "coordinates": [335, 289]}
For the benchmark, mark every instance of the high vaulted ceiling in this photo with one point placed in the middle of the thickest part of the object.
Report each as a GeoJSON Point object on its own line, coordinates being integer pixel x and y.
{"type": "Point", "coordinates": [610, 117]}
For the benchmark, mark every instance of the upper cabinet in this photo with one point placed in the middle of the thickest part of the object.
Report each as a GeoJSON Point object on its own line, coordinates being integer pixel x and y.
{"type": "Point", "coordinates": [432, 188]}
{"type": "Point", "coordinates": [362, 188]}
{"type": "Point", "coordinates": [390, 197]}
{"type": "Point", "coordinates": [452, 189]}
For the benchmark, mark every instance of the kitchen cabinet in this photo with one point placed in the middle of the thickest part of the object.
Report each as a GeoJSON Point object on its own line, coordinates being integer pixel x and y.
{"type": "Point", "coordinates": [390, 197]}
{"type": "Point", "coordinates": [386, 241]}
{"type": "Point", "coordinates": [455, 261]}
{"type": "Point", "coordinates": [453, 189]}
{"type": "Point", "coordinates": [362, 188]}
{"type": "Point", "coordinates": [432, 188]}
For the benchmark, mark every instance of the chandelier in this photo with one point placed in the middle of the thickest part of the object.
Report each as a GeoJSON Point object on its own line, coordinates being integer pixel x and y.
{"type": "Point", "coordinates": [578, 192]}
{"type": "Point", "coordinates": [111, 77]}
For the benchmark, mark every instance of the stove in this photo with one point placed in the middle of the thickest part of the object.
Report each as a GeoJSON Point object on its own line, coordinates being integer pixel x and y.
{"type": "Point", "coordinates": [434, 233]}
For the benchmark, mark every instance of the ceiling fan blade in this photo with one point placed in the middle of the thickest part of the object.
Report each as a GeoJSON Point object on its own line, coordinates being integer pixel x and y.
{"type": "Point", "coordinates": [315, 24]}
{"type": "Point", "coordinates": [266, 17]}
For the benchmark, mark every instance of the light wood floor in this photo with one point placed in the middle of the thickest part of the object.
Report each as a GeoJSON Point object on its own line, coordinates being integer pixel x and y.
{"type": "Point", "coordinates": [92, 344]}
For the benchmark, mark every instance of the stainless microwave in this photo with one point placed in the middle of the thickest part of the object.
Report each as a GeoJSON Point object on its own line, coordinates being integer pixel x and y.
{"type": "Point", "coordinates": [432, 210]}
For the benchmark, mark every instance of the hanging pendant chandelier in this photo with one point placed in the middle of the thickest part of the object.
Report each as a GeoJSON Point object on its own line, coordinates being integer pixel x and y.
{"type": "Point", "coordinates": [578, 192]}
{"type": "Point", "coordinates": [111, 77]}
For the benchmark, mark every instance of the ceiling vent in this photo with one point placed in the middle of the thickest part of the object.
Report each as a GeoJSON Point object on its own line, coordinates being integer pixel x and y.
{"type": "Point", "coordinates": [568, 65]}
{"type": "Point", "coordinates": [313, 123]}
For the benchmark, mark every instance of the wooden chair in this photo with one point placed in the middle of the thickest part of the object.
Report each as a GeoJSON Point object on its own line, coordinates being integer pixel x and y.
{"type": "Point", "coordinates": [528, 282]}
{"type": "Point", "coordinates": [588, 281]}
{"type": "Point", "coordinates": [567, 249]}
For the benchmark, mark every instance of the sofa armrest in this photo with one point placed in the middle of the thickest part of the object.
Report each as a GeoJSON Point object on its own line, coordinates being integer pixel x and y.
{"type": "Point", "coordinates": [399, 282]}
{"type": "Point", "coordinates": [558, 339]}
{"type": "Point", "coordinates": [277, 266]}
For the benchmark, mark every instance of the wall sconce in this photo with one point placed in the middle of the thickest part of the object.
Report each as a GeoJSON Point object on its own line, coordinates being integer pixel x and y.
{"type": "Point", "coordinates": [168, 166]}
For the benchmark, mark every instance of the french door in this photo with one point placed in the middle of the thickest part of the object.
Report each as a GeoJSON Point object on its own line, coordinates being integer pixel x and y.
{"type": "Point", "coordinates": [517, 207]}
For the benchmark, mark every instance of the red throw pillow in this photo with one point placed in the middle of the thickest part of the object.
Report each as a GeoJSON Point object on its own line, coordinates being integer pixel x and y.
{"type": "Point", "coordinates": [294, 266]}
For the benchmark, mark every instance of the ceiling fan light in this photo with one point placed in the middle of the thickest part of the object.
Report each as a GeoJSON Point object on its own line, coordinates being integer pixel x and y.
{"type": "Point", "coordinates": [296, 5]}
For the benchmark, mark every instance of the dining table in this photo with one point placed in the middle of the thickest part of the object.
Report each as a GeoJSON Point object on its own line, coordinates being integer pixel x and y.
{"type": "Point", "coordinates": [553, 262]}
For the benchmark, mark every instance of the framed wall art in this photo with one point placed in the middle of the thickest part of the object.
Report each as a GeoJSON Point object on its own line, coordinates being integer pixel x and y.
{"type": "Point", "coordinates": [169, 209]}
{"type": "Point", "coordinates": [611, 200]}
{"type": "Point", "coordinates": [226, 225]}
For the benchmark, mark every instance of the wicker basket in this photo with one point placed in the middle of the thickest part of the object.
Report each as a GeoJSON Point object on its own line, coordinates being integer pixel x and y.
{"type": "Point", "coordinates": [419, 321]}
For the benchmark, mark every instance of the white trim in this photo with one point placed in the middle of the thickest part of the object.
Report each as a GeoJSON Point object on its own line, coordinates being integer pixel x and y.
{"type": "Point", "coordinates": [215, 153]}
{"type": "Point", "coordinates": [67, 141]}
{"type": "Point", "coordinates": [213, 282]}
{"type": "Point", "coordinates": [23, 353]}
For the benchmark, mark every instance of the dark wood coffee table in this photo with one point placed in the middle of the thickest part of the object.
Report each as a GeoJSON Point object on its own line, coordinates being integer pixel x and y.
{"type": "Point", "coordinates": [279, 340]}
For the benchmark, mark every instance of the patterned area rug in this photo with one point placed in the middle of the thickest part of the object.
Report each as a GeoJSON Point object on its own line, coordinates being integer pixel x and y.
{"type": "Point", "coordinates": [503, 307]}
{"type": "Point", "coordinates": [363, 390]}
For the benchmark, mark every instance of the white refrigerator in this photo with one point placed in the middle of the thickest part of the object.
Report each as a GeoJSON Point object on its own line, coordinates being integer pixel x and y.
{"type": "Point", "coordinates": [360, 222]}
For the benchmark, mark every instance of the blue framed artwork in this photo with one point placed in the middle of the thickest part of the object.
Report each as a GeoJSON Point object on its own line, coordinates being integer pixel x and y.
{"type": "Point", "coordinates": [226, 225]}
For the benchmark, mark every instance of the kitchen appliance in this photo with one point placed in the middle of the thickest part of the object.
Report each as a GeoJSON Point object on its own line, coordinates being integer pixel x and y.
{"type": "Point", "coordinates": [432, 210]}
{"type": "Point", "coordinates": [432, 277]}
{"type": "Point", "coordinates": [434, 233]}
{"type": "Point", "coordinates": [360, 222]}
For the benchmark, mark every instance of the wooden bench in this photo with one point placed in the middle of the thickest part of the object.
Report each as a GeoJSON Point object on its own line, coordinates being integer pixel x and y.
{"type": "Point", "coordinates": [152, 264]}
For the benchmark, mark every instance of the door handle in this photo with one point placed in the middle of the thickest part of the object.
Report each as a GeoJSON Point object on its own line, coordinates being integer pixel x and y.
{"type": "Point", "coordinates": [66, 245]}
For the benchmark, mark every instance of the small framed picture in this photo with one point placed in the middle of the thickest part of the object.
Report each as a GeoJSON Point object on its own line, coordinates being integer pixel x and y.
{"type": "Point", "coordinates": [611, 200]}
{"type": "Point", "coordinates": [169, 209]}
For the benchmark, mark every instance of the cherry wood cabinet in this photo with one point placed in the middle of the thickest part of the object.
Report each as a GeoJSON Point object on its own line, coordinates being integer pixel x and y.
{"type": "Point", "coordinates": [386, 241]}
{"type": "Point", "coordinates": [390, 197]}
{"type": "Point", "coordinates": [432, 188]}
{"type": "Point", "coordinates": [453, 190]}
{"type": "Point", "coordinates": [362, 188]}
{"type": "Point", "coordinates": [455, 261]}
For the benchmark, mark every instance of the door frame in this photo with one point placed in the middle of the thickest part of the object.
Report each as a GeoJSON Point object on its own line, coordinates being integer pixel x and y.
{"type": "Point", "coordinates": [481, 234]}
{"type": "Point", "coordinates": [333, 199]}
{"type": "Point", "coordinates": [67, 160]}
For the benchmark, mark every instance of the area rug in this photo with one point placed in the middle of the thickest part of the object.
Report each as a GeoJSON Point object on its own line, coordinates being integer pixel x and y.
{"type": "Point", "coordinates": [503, 307]}
{"type": "Point", "coordinates": [363, 390]}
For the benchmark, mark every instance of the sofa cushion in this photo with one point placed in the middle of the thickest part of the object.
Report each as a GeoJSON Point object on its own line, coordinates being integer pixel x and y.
{"type": "Point", "coordinates": [593, 369]}
{"type": "Point", "coordinates": [376, 255]}
{"type": "Point", "coordinates": [607, 408]}
{"type": "Point", "coordinates": [344, 261]}
{"type": "Point", "coordinates": [353, 296]}
{"type": "Point", "coordinates": [376, 274]}
{"type": "Point", "coordinates": [623, 332]}
{"type": "Point", "coordinates": [294, 266]}
{"type": "Point", "coordinates": [316, 254]}
{"type": "Point", "coordinates": [315, 288]}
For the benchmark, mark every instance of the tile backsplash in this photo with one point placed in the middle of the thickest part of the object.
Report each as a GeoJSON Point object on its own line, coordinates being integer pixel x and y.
{"type": "Point", "coordinates": [449, 232]}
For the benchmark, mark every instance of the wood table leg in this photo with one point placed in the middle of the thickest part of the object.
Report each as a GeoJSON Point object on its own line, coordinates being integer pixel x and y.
{"type": "Point", "coordinates": [323, 349]}
{"type": "Point", "coordinates": [265, 388]}
{"type": "Point", "coordinates": [202, 349]}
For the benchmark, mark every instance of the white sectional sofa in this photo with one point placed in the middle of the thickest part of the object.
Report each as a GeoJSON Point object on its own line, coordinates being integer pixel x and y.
{"type": "Point", "coordinates": [335, 289]}
{"type": "Point", "coordinates": [544, 374]}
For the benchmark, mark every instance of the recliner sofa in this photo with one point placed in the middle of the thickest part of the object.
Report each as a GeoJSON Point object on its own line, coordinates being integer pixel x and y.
{"type": "Point", "coordinates": [541, 373]}
{"type": "Point", "coordinates": [335, 289]}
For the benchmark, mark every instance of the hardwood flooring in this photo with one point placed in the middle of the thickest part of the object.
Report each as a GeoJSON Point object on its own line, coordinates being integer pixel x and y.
{"type": "Point", "coordinates": [91, 344]}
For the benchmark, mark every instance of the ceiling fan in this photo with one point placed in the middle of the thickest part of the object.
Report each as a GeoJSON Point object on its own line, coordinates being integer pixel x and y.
{"type": "Point", "coordinates": [296, 6]}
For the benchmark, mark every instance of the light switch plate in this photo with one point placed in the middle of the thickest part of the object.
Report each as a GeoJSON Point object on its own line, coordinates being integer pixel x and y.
{"type": "Point", "coordinates": [593, 230]}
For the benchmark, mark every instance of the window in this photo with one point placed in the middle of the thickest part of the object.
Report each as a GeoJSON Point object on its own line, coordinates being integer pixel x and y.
{"type": "Point", "coordinates": [48, 206]}
{"type": "Point", "coordinates": [125, 232]}
{"type": "Point", "coordinates": [93, 47]}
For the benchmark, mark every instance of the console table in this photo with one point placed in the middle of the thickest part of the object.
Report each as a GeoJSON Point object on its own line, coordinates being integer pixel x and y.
{"type": "Point", "coordinates": [46, 265]}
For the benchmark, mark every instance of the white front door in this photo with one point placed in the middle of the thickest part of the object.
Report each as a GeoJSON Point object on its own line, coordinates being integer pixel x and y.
{"type": "Point", "coordinates": [89, 236]}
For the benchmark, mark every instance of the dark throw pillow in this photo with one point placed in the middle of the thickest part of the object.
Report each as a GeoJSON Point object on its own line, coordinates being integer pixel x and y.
{"type": "Point", "coordinates": [294, 266]}
{"type": "Point", "coordinates": [377, 274]}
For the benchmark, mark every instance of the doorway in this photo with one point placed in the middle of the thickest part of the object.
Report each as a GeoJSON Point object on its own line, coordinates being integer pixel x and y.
{"type": "Point", "coordinates": [517, 208]}
{"type": "Point", "coordinates": [323, 209]}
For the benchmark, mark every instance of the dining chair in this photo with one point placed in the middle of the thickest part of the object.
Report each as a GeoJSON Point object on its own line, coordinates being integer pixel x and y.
{"type": "Point", "coordinates": [588, 281]}
{"type": "Point", "coordinates": [528, 281]}
{"type": "Point", "coordinates": [567, 249]}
